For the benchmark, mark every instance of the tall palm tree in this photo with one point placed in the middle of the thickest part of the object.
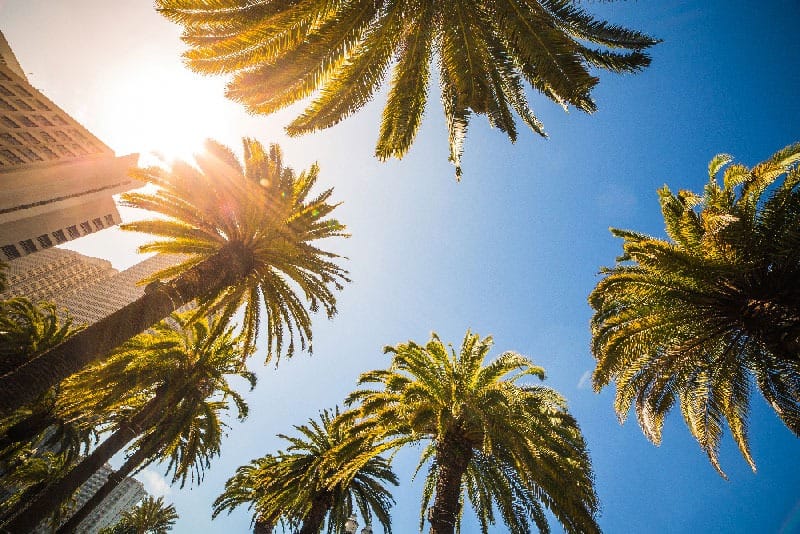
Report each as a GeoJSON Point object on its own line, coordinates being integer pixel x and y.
{"type": "Point", "coordinates": [176, 419]}
{"type": "Point", "coordinates": [694, 318]}
{"type": "Point", "coordinates": [302, 487]}
{"type": "Point", "coordinates": [151, 516]}
{"type": "Point", "coordinates": [501, 442]}
{"type": "Point", "coordinates": [39, 441]}
{"type": "Point", "coordinates": [248, 231]}
{"type": "Point", "coordinates": [27, 329]}
{"type": "Point", "coordinates": [340, 52]}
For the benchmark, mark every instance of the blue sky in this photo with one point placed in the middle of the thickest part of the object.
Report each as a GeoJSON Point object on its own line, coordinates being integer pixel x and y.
{"type": "Point", "coordinates": [512, 250]}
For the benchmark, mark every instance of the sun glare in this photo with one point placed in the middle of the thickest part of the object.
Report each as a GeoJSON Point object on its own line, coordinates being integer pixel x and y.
{"type": "Point", "coordinates": [163, 112]}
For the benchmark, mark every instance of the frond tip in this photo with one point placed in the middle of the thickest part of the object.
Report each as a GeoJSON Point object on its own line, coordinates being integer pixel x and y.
{"type": "Point", "coordinates": [246, 231]}
{"type": "Point", "coordinates": [694, 319]}
{"type": "Point", "coordinates": [339, 54]}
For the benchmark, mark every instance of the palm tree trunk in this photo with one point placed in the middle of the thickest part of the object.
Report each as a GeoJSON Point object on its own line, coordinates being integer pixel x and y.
{"type": "Point", "coordinates": [142, 454]}
{"type": "Point", "coordinates": [31, 379]}
{"type": "Point", "coordinates": [453, 456]}
{"type": "Point", "coordinates": [27, 429]}
{"type": "Point", "coordinates": [775, 324]}
{"type": "Point", "coordinates": [263, 527]}
{"type": "Point", "coordinates": [312, 522]}
{"type": "Point", "coordinates": [52, 497]}
{"type": "Point", "coordinates": [26, 497]}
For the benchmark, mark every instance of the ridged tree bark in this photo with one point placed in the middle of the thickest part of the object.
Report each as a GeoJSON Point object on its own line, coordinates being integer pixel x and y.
{"type": "Point", "coordinates": [52, 496]}
{"type": "Point", "coordinates": [312, 522]}
{"type": "Point", "coordinates": [27, 429]}
{"type": "Point", "coordinates": [137, 458]}
{"type": "Point", "coordinates": [775, 324]}
{"type": "Point", "coordinates": [30, 380]}
{"type": "Point", "coordinates": [453, 455]}
{"type": "Point", "coordinates": [263, 527]}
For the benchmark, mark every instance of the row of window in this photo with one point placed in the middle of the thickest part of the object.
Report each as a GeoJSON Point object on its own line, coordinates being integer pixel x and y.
{"type": "Point", "coordinates": [45, 241]}
{"type": "Point", "coordinates": [20, 90]}
{"type": "Point", "coordinates": [29, 120]}
{"type": "Point", "coordinates": [23, 154]}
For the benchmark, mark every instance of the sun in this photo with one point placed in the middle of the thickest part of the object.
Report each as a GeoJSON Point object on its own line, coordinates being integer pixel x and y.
{"type": "Point", "coordinates": [162, 111]}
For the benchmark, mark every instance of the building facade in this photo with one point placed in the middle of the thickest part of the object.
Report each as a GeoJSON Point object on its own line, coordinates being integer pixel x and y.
{"type": "Point", "coordinates": [87, 289]}
{"type": "Point", "coordinates": [122, 498]}
{"type": "Point", "coordinates": [56, 177]}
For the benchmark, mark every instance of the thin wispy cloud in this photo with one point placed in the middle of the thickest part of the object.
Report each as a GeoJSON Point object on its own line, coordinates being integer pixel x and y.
{"type": "Point", "coordinates": [155, 484]}
{"type": "Point", "coordinates": [584, 382]}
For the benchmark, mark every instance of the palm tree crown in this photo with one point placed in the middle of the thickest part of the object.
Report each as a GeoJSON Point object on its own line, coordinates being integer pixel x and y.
{"type": "Point", "coordinates": [248, 230]}
{"type": "Point", "coordinates": [174, 381]}
{"type": "Point", "coordinates": [503, 443]}
{"type": "Point", "coordinates": [282, 52]}
{"type": "Point", "coordinates": [151, 516]}
{"type": "Point", "coordinates": [261, 209]}
{"type": "Point", "coordinates": [195, 360]}
{"type": "Point", "coordinates": [302, 485]}
{"type": "Point", "coordinates": [693, 318]}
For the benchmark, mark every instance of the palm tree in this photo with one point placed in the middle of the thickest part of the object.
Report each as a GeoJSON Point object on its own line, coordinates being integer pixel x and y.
{"type": "Point", "coordinates": [697, 317]}
{"type": "Point", "coordinates": [302, 485]}
{"type": "Point", "coordinates": [500, 442]}
{"type": "Point", "coordinates": [176, 419]}
{"type": "Point", "coordinates": [28, 329]}
{"type": "Point", "coordinates": [486, 51]}
{"type": "Point", "coordinates": [247, 486]}
{"type": "Point", "coordinates": [150, 516]}
{"type": "Point", "coordinates": [248, 230]}
{"type": "Point", "coordinates": [39, 441]}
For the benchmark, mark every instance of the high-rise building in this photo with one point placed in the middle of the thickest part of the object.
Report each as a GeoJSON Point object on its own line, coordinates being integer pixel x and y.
{"type": "Point", "coordinates": [87, 288]}
{"type": "Point", "coordinates": [121, 499]}
{"type": "Point", "coordinates": [101, 299]}
{"type": "Point", "coordinates": [56, 177]}
{"type": "Point", "coordinates": [55, 273]}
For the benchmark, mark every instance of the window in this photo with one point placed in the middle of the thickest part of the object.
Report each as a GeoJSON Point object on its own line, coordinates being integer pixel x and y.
{"type": "Point", "coordinates": [98, 223]}
{"type": "Point", "coordinates": [8, 122]}
{"type": "Point", "coordinates": [11, 252]}
{"type": "Point", "coordinates": [110, 220]}
{"type": "Point", "coordinates": [49, 153]}
{"type": "Point", "coordinates": [42, 121]}
{"type": "Point", "coordinates": [30, 154]}
{"type": "Point", "coordinates": [4, 91]}
{"type": "Point", "coordinates": [44, 241]}
{"type": "Point", "coordinates": [60, 237]}
{"type": "Point", "coordinates": [73, 232]}
{"type": "Point", "coordinates": [9, 139]}
{"type": "Point", "coordinates": [86, 228]}
{"type": "Point", "coordinates": [28, 246]}
{"type": "Point", "coordinates": [60, 120]}
{"type": "Point", "coordinates": [11, 157]}
{"type": "Point", "coordinates": [47, 137]}
{"type": "Point", "coordinates": [26, 121]}
{"type": "Point", "coordinates": [25, 136]}
{"type": "Point", "coordinates": [23, 91]}
{"type": "Point", "coordinates": [41, 105]}
{"type": "Point", "coordinates": [21, 104]}
{"type": "Point", "coordinates": [65, 151]}
{"type": "Point", "coordinates": [5, 105]}
{"type": "Point", "coordinates": [4, 77]}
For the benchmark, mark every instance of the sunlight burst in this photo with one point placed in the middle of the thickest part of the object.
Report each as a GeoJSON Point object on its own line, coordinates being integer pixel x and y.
{"type": "Point", "coordinates": [164, 113]}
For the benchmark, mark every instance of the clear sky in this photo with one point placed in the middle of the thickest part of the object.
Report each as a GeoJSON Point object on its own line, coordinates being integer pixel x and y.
{"type": "Point", "coordinates": [512, 250]}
